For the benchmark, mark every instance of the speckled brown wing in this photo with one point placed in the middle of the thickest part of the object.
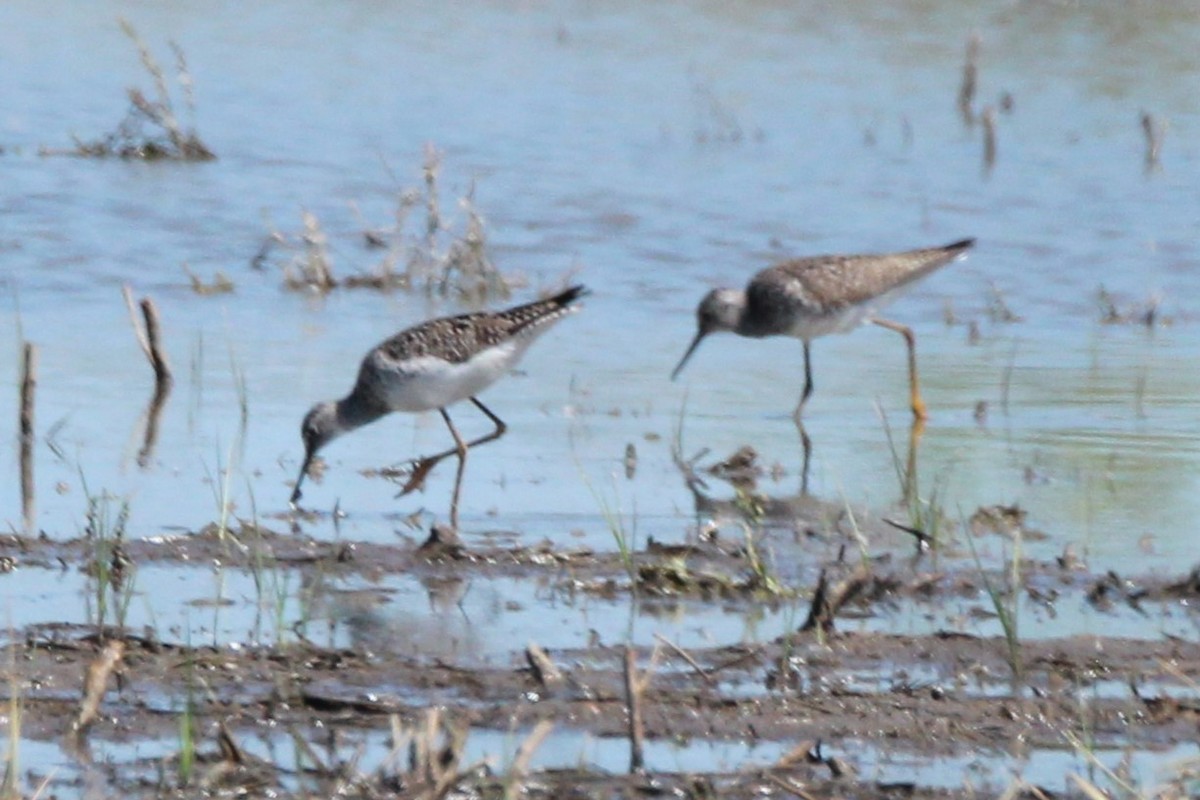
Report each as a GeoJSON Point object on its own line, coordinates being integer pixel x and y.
{"type": "Point", "coordinates": [457, 339]}
{"type": "Point", "coordinates": [823, 284]}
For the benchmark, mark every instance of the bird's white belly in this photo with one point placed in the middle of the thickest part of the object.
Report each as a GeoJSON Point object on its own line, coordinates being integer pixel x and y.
{"type": "Point", "coordinates": [843, 320]}
{"type": "Point", "coordinates": [426, 383]}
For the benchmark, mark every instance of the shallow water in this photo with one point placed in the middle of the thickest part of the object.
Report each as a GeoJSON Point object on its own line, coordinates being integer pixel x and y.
{"type": "Point", "coordinates": [655, 165]}
{"type": "Point", "coordinates": [1044, 767]}
{"type": "Point", "coordinates": [651, 152]}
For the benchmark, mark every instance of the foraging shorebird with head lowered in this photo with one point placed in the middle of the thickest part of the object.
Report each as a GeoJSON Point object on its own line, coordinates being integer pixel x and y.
{"type": "Point", "coordinates": [814, 296]}
{"type": "Point", "coordinates": [432, 366]}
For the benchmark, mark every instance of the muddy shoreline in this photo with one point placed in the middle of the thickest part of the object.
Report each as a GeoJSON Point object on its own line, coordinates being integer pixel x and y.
{"type": "Point", "coordinates": [821, 710]}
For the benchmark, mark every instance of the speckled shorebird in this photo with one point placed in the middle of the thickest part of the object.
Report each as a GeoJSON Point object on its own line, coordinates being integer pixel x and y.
{"type": "Point", "coordinates": [434, 365]}
{"type": "Point", "coordinates": [814, 296]}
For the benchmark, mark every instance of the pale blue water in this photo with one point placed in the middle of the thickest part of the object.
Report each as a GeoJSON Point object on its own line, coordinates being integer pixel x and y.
{"type": "Point", "coordinates": [651, 153]}
{"type": "Point", "coordinates": [598, 142]}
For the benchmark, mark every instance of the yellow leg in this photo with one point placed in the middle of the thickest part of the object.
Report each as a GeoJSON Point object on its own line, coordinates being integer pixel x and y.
{"type": "Point", "coordinates": [918, 405]}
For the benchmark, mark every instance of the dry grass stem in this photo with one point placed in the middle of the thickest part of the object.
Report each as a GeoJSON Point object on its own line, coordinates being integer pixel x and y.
{"type": "Point", "coordinates": [633, 699]}
{"type": "Point", "coordinates": [138, 331]}
{"type": "Point", "coordinates": [970, 79]}
{"type": "Point", "coordinates": [151, 129]}
{"type": "Point", "coordinates": [1155, 131]}
{"type": "Point", "coordinates": [158, 357]}
{"type": "Point", "coordinates": [988, 118]}
{"type": "Point", "coordinates": [679, 651]}
{"type": "Point", "coordinates": [437, 257]}
{"type": "Point", "coordinates": [149, 338]}
{"type": "Point", "coordinates": [635, 689]}
{"type": "Point", "coordinates": [28, 390]}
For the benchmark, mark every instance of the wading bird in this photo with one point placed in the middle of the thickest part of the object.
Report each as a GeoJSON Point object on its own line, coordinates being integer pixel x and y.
{"type": "Point", "coordinates": [810, 297]}
{"type": "Point", "coordinates": [432, 366]}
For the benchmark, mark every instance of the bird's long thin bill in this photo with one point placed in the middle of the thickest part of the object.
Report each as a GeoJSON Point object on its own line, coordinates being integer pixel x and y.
{"type": "Point", "coordinates": [300, 478]}
{"type": "Point", "coordinates": [691, 349]}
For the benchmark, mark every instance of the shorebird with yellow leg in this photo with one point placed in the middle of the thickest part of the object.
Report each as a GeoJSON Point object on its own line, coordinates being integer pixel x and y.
{"type": "Point", "coordinates": [432, 366]}
{"type": "Point", "coordinates": [814, 296]}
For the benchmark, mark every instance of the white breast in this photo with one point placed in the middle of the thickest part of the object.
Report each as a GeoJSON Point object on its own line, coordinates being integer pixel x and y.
{"type": "Point", "coordinates": [427, 382]}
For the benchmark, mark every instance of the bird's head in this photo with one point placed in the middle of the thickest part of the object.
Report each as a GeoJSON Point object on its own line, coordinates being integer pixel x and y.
{"type": "Point", "coordinates": [319, 427]}
{"type": "Point", "coordinates": [720, 310]}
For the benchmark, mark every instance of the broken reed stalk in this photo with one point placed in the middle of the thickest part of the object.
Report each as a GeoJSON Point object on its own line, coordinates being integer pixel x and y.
{"type": "Point", "coordinates": [635, 689]}
{"type": "Point", "coordinates": [988, 118]}
{"type": "Point", "coordinates": [679, 651]}
{"type": "Point", "coordinates": [1154, 132]}
{"type": "Point", "coordinates": [158, 359]}
{"type": "Point", "coordinates": [149, 338]}
{"type": "Point", "coordinates": [28, 388]}
{"type": "Point", "coordinates": [633, 698]}
{"type": "Point", "coordinates": [970, 77]}
{"type": "Point", "coordinates": [433, 212]}
{"type": "Point", "coordinates": [127, 293]}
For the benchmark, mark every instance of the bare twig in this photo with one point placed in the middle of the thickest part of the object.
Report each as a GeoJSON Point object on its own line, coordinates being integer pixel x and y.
{"type": "Point", "coordinates": [1154, 131]}
{"type": "Point", "coordinates": [28, 389]}
{"type": "Point", "coordinates": [633, 698]}
{"type": "Point", "coordinates": [158, 358]}
{"type": "Point", "coordinates": [988, 118]}
{"type": "Point", "coordinates": [635, 688]}
{"type": "Point", "coordinates": [679, 651]}
{"type": "Point", "coordinates": [149, 338]}
{"type": "Point", "coordinates": [970, 77]}
{"type": "Point", "coordinates": [138, 331]}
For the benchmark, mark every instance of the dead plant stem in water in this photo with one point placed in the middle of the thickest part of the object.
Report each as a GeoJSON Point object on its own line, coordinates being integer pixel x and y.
{"type": "Point", "coordinates": [970, 79]}
{"type": "Point", "coordinates": [151, 129]}
{"type": "Point", "coordinates": [153, 343]}
{"type": "Point", "coordinates": [28, 390]}
{"type": "Point", "coordinates": [635, 686]}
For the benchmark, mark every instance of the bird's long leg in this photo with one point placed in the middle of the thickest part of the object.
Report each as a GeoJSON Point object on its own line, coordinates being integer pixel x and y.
{"type": "Point", "coordinates": [460, 449]}
{"type": "Point", "coordinates": [496, 434]}
{"type": "Point", "coordinates": [422, 466]}
{"type": "Point", "coordinates": [914, 388]}
{"type": "Point", "coordinates": [808, 386]}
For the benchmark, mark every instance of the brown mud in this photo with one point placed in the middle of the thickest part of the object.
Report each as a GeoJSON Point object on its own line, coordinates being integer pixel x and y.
{"type": "Point", "coordinates": [833, 704]}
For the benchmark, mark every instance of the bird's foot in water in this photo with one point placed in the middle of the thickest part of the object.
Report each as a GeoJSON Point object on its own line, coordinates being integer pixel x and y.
{"type": "Point", "coordinates": [415, 473]}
